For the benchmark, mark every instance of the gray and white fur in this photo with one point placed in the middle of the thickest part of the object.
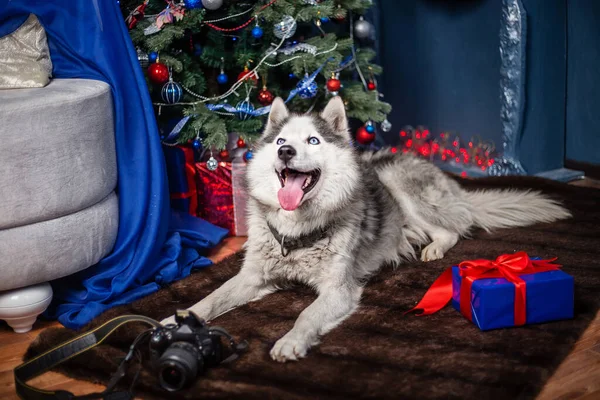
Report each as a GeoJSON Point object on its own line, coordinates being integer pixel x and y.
{"type": "Point", "coordinates": [375, 209]}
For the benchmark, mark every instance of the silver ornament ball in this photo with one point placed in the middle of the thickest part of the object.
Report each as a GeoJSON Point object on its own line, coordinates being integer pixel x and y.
{"type": "Point", "coordinates": [285, 28]}
{"type": "Point", "coordinates": [386, 126]}
{"type": "Point", "coordinates": [363, 29]}
{"type": "Point", "coordinates": [212, 164]}
{"type": "Point", "coordinates": [212, 4]}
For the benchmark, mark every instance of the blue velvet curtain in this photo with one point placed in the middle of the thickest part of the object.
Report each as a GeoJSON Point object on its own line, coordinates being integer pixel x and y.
{"type": "Point", "coordinates": [88, 39]}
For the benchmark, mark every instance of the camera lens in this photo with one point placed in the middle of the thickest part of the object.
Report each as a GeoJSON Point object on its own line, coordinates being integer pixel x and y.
{"type": "Point", "coordinates": [178, 366]}
{"type": "Point", "coordinates": [172, 375]}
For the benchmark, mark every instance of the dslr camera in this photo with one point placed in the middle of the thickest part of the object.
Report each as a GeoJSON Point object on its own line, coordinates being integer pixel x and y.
{"type": "Point", "coordinates": [180, 352]}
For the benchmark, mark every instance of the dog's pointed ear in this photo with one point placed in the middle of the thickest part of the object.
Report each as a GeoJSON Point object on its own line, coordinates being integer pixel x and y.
{"type": "Point", "coordinates": [335, 115]}
{"type": "Point", "coordinates": [278, 113]}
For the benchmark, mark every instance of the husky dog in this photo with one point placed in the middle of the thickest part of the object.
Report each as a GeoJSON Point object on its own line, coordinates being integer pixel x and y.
{"type": "Point", "coordinates": [323, 214]}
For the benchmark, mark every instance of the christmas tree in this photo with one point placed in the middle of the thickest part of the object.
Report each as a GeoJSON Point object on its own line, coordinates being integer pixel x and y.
{"type": "Point", "coordinates": [214, 66]}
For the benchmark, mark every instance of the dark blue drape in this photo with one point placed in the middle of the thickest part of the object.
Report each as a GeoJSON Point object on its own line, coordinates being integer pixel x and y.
{"type": "Point", "coordinates": [88, 39]}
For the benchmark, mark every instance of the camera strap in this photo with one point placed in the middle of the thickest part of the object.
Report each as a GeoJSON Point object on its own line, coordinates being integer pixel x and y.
{"type": "Point", "coordinates": [63, 352]}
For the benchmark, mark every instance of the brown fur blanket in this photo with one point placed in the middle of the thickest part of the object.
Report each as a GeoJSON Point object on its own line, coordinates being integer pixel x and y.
{"type": "Point", "coordinates": [379, 353]}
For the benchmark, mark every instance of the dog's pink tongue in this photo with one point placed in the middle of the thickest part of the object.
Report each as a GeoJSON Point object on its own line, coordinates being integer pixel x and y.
{"type": "Point", "coordinates": [291, 194]}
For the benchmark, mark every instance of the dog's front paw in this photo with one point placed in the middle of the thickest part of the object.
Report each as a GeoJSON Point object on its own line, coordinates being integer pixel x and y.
{"type": "Point", "coordinates": [167, 321]}
{"type": "Point", "coordinates": [289, 348]}
{"type": "Point", "coordinates": [432, 252]}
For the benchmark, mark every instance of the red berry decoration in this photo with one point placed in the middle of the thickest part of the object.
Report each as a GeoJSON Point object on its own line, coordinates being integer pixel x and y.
{"type": "Point", "coordinates": [241, 143]}
{"type": "Point", "coordinates": [363, 137]}
{"type": "Point", "coordinates": [371, 85]}
{"type": "Point", "coordinates": [265, 97]}
{"type": "Point", "coordinates": [248, 75]}
{"type": "Point", "coordinates": [334, 85]}
{"type": "Point", "coordinates": [224, 154]}
{"type": "Point", "coordinates": [158, 73]}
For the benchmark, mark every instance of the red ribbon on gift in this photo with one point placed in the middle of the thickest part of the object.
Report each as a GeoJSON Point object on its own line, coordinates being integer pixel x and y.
{"type": "Point", "coordinates": [190, 175]}
{"type": "Point", "coordinates": [508, 266]}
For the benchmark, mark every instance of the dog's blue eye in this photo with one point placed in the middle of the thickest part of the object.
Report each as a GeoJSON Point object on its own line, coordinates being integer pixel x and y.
{"type": "Point", "coordinates": [313, 140]}
{"type": "Point", "coordinates": [280, 141]}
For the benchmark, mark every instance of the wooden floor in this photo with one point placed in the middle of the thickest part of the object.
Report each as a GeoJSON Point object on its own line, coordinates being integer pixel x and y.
{"type": "Point", "coordinates": [577, 378]}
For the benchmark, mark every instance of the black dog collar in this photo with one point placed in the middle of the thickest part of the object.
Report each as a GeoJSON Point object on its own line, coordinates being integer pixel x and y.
{"type": "Point", "coordinates": [302, 242]}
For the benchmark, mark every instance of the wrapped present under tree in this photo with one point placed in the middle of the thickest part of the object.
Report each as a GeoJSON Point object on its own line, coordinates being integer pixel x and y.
{"type": "Point", "coordinates": [181, 173]}
{"type": "Point", "coordinates": [222, 196]}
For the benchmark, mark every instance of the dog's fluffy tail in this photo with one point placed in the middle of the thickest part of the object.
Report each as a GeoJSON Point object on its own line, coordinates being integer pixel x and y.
{"type": "Point", "coordinates": [511, 208]}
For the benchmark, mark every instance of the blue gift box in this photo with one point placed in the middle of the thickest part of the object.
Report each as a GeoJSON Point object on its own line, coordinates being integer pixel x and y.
{"type": "Point", "coordinates": [550, 297]}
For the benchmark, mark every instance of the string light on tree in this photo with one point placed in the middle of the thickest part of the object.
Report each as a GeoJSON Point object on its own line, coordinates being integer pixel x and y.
{"type": "Point", "coordinates": [241, 143]}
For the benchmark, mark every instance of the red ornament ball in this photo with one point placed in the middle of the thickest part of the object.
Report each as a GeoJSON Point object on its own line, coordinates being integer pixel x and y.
{"type": "Point", "coordinates": [224, 154]}
{"type": "Point", "coordinates": [363, 137]}
{"type": "Point", "coordinates": [158, 73]}
{"type": "Point", "coordinates": [248, 76]}
{"type": "Point", "coordinates": [265, 97]}
{"type": "Point", "coordinates": [371, 85]}
{"type": "Point", "coordinates": [241, 143]}
{"type": "Point", "coordinates": [334, 85]}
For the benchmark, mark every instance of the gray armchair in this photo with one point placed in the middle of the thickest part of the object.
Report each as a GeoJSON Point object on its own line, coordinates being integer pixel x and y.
{"type": "Point", "coordinates": [58, 174]}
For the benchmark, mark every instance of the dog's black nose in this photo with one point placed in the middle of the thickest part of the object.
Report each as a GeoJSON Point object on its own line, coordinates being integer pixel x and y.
{"type": "Point", "coordinates": [286, 153]}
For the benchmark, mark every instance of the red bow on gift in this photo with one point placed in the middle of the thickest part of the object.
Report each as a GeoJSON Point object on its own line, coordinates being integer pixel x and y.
{"type": "Point", "coordinates": [508, 266]}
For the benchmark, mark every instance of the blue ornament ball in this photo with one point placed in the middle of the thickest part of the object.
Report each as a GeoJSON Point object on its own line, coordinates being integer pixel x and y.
{"type": "Point", "coordinates": [307, 90]}
{"type": "Point", "coordinates": [325, 20]}
{"type": "Point", "coordinates": [257, 32]}
{"type": "Point", "coordinates": [191, 4]}
{"type": "Point", "coordinates": [171, 92]}
{"type": "Point", "coordinates": [197, 144]}
{"type": "Point", "coordinates": [197, 49]}
{"type": "Point", "coordinates": [244, 110]}
{"type": "Point", "coordinates": [222, 78]}
{"type": "Point", "coordinates": [248, 155]}
{"type": "Point", "coordinates": [370, 128]}
{"type": "Point", "coordinates": [152, 57]}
